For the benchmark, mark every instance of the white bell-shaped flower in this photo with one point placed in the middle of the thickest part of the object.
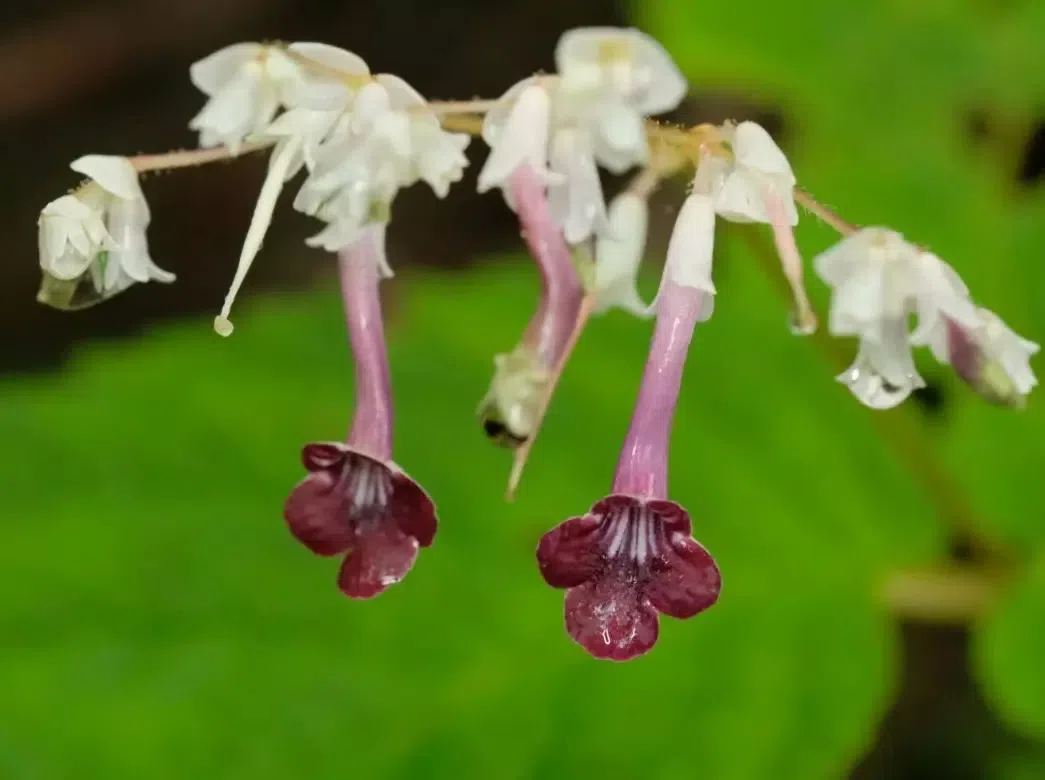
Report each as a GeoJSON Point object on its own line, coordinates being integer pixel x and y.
{"type": "Point", "coordinates": [359, 152]}
{"type": "Point", "coordinates": [319, 103]}
{"type": "Point", "coordinates": [575, 196]}
{"type": "Point", "coordinates": [877, 276]}
{"type": "Point", "coordinates": [883, 374]}
{"type": "Point", "coordinates": [517, 130]}
{"type": "Point", "coordinates": [759, 171]}
{"type": "Point", "coordinates": [989, 356]}
{"type": "Point", "coordinates": [614, 78]}
{"type": "Point", "coordinates": [878, 281]}
{"type": "Point", "coordinates": [245, 84]}
{"type": "Point", "coordinates": [321, 77]}
{"type": "Point", "coordinates": [72, 232]}
{"type": "Point", "coordinates": [626, 65]}
{"type": "Point", "coordinates": [618, 254]}
{"type": "Point", "coordinates": [101, 228]}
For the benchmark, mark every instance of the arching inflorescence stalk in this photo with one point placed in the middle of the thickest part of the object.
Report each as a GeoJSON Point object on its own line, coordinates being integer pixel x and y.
{"type": "Point", "coordinates": [356, 139]}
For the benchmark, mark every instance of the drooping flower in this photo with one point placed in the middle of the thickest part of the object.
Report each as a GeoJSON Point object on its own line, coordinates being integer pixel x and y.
{"type": "Point", "coordinates": [356, 501]}
{"type": "Point", "coordinates": [521, 378]}
{"type": "Point", "coordinates": [360, 147]}
{"type": "Point", "coordinates": [245, 83]}
{"type": "Point", "coordinates": [517, 130]}
{"type": "Point", "coordinates": [618, 255]}
{"type": "Point", "coordinates": [575, 194]}
{"type": "Point", "coordinates": [611, 79]}
{"type": "Point", "coordinates": [990, 358]}
{"type": "Point", "coordinates": [99, 232]}
{"type": "Point", "coordinates": [879, 280]}
{"type": "Point", "coordinates": [632, 556]}
{"type": "Point", "coordinates": [394, 141]}
{"type": "Point", "coordinates": [757, 185]}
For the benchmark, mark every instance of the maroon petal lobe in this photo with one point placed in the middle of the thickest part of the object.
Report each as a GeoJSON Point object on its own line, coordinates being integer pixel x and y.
{"type": "Point", "coordinates": [610, 619]}
{"type": "Point", "coordinates": [323, 455]}
{"type": "Point", "coordinates": [315, 514]}
{"type": "Point", "coordinates": [411, 507]}
{"type": "Point", "coordinates": [381, 558]}
{"type": "Point", "coordinates": [568, 555]}
{"type": "Point", "coordinates": [684, 579]}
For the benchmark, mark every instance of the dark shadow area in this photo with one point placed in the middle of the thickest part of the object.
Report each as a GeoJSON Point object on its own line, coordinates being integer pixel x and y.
{"type": "Point", "coordinates": [1032, 166]}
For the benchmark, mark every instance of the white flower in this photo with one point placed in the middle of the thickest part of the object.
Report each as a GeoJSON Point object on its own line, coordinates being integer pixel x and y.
{"type": "Point", "coordinates": [359, 152]}
{"type": "Point", "coordinates": [72, 232]}
{"type": "Point", "coordinates": [618, 255]}
{"type": "Point", "coordinates": [128, 260]}
{"type": "Point", "coordinates": [245, 84]}
{"type": "Point", "coordinates": [1010, 351]}
{"type": "Point", "coordinates": [320, 104]}
{"type": "Point", "coordinates": [990, 357]}
{"type": "Point", "coordinates": [759, 171]}
{"type": "Point", "coordinates": [575, 198]}
{"type": "Point", "coordinates": [879, 280]}
{"type": "Point", "coordinates": [610, 79]}
{"type": "Point", "coordinates": [625, 64]}
{"type": "Point", "coordinates": [323, 78]}
{"type": "Point", "coordinates": [883, 374]}
{"type": "Point", "coordinates": [517, 129]}
{"type": "Point", "coordinates": [100, 228]}
{"type": "Point", "coordinates": [690, 250]}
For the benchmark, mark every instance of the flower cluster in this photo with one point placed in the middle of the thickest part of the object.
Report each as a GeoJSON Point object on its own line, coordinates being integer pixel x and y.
{"type": "Point", "coordinates": [358, 138]}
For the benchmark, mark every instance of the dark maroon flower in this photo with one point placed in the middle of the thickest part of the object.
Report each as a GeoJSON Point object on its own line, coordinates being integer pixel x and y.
{"type": "Point", "coordinates": [355, 500]}
{"type": "Point", "coordinates": [509, 411]}
{"type": "Point", "coordinates": [632, 556]}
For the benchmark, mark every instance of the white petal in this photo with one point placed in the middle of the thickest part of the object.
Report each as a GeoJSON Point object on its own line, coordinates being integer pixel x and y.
{"type": "Point", "coordinates": [691, 248]}
{"type": "Point", "coordinates": [630, 62]}
{"type": "Point", "coordinates": [523, 139]}
{"type": "Point", "coordinates": [883, 374]}
{"type": "Point", "coordinates": [245, 105]}
{"type": "Point", "coordinates": [67, 207]}
{"type": "Point", "coordinates": [392, 128]}
{"type": "Point", "coordinates": [857, 305]}
{"type": "Point", "coordinates": [1010, 350]}
{"type": "Point", "coordinates": [755, 149]}
{"type": "Point", "coordinates": [440, 156]}
{"type": "Point", "coordinates": [259, 224]}
{"type": "Point", "coordinates": [372, 101]}
{"type": "Point", "coordinates": [336, 236]}
{"type": "Point", "coordinates": [497, 116]}
{"type": "Point", "coordinates": [376, 233]}
{"type": "Point", "coordinates": [870, 389]}
{"type": "Point", "coordinates": [941, 295]}
{"type": "Point", "coordinates": [321, 88]}
{"type": "Point", "coordinates": [618, 254]}
{"type": "Point", "coordinates": [69, 265]}
{"type": "Point", "coordinates": [127, 222]}
{"type": "Point", "coordinates": [401, 94]}
{"type": "Point", "coordinates": [622, 131]}
{"type": "Point", "coordinates": [576, 202]}
{"type": "Point", "coordinates": [215, 70]}
{"type": "Point", "coordinates": [114, 174]}
{"type": "Point", "coordinates": [332, 57]}
{"type": "Point", "coordinates": [739, 199]}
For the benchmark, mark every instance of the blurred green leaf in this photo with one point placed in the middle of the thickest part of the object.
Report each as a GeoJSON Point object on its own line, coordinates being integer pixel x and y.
{"type": "Point", "coordinates": [160, 622]}
{"type": "Point", "coordinates": [1010, 646]}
